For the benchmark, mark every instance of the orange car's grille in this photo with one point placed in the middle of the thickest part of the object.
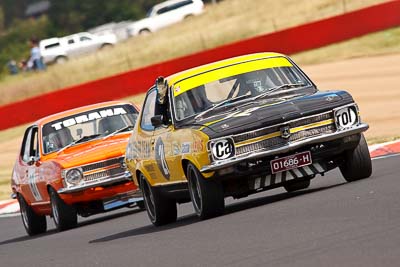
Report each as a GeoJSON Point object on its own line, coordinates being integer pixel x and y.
{"type": "Point", "coordinates": [101, 164]}
{"type": "Point", "coordinates": [103, 170]}
{"type": "Point", "coordinates": [103, 174]}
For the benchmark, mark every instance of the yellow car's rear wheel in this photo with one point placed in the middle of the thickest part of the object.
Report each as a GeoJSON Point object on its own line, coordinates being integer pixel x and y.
{"type": "Point", "coordinates": [160, 209]}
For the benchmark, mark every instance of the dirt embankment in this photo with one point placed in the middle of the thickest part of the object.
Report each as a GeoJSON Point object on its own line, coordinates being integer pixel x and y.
{"type": "Point", "coordinates": [374, 83]}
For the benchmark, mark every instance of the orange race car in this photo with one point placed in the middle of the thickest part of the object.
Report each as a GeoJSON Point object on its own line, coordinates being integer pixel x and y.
{"type": "Point", "coordinates": [72, 163]}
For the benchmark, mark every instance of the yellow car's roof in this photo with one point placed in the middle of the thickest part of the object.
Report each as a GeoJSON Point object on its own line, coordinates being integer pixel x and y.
{"type": "Point", "coordinates": [172, 79]}
{"type": "Point", "coordinates": [192, 78]}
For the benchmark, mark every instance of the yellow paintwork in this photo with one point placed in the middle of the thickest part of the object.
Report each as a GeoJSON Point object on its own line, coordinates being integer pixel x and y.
{"type": "Point", "coordinates": [172, 79]}
{"type": "Point", "coordinates": [208, 76]}
{"type": "Point", "coordinates": [173, 140]}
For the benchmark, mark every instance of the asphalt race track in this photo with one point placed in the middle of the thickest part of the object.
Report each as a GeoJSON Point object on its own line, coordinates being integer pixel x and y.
{"type": "Point", "coordinates": [330, 224]}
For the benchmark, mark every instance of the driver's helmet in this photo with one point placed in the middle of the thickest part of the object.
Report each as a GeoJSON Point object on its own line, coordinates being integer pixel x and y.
{"type": "Point", "coordinates": [110, 124]}
{"type": "Point", "coordinates": [255, 82]}
{"type": "Point", "coordinates": [58, 139]}
{"type": "Point", "coordinates": [199, 99]}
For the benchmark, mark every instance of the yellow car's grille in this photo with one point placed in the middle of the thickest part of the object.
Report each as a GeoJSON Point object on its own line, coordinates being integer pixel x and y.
{"type": "Point", "coordinates": [271, 137]}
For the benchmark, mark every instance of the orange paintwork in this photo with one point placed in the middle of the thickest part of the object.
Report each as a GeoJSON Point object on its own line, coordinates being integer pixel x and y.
{"type": "Point", "coordinates": [47, 169]}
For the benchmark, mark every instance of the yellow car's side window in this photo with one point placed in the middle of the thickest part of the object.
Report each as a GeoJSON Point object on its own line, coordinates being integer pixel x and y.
{"type": "Point", "coordinates": [148, 111]}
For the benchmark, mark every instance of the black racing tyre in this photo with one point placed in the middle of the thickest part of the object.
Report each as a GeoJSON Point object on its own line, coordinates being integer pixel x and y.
{"type": "Point", "coordinates": [357, 163]}
{"type": "Point", "coordinates": [64, 216]}
{"type": "Point", "coordinates": [297, 185]}
{"type": "Point", "coordinates": [34, 224]}
{"type": "Point", "coordinates": [207, 195]}
{"type": "Point", "coordinates": [160, 209]}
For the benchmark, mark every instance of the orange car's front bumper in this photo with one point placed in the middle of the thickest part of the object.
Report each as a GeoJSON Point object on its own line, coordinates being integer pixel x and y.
{"type": "Point", "coordinates": [128, 190]}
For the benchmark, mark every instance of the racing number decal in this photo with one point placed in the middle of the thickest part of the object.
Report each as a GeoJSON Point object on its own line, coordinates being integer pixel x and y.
{"type": "Point", "coordinates": [160, 158]}
{"type": "Point", "coordinates": [32, 184]}
{"type": "Point", "coordinates": [346, 117]}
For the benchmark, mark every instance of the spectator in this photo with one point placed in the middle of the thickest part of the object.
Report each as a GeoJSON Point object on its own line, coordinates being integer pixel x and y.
{"type": "Point", "coordinates": [35, 62]}
{"type": "Point", "coordinates": [23, 65]}
{"type": "Point", "coordinates": [12, 67]}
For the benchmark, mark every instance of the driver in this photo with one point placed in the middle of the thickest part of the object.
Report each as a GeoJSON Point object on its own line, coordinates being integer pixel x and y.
{"type": "Point", "coordinates": [198, 99]}
{"type": "Point", "coordinates": [58, 139]}
{"type": "Point", "coordinates": [255, 82]}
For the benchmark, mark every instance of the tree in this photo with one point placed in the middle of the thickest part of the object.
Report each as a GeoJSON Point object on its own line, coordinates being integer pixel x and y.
{"type": "Point", "coordinates": [13, 9]}
{"type": "Point", "coordinates": [1, 20]}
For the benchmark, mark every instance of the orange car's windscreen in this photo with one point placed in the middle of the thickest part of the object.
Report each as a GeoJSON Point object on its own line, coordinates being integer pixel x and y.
{"type": "Point", "coordinates": [92, 123]}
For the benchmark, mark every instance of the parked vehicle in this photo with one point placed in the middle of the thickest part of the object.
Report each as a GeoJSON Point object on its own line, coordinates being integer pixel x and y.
{"type": "Point", "coordinates": [72, 163]}
{"type": "Point", "coordinates": [238, 127]}
{"type": "Point", "coordinates": [165, 14]}
{"type": "Point", "coordinates": [59, 50]}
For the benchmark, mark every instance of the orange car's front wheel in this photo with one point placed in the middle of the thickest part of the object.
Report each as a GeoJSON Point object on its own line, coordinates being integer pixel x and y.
{"type": "Point", "coordinates": [64, 216]}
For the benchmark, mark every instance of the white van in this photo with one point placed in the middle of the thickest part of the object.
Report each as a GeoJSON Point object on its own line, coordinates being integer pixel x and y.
{"type": "Point", "coordinates": [59, 50]}
{"type": "Point", "coordinates": [165, 14]}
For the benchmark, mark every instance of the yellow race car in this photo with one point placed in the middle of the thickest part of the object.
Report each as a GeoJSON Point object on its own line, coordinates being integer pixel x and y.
{"type": "Point", "coordinates": [237, 127]}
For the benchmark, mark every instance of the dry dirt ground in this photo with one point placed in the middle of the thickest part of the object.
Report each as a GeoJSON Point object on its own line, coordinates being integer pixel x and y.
{"type": "Point", "coordinates": [374, 83]}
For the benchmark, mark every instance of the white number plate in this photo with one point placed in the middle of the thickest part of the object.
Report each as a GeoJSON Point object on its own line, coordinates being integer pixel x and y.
{"type": "Point", "coordinates": [291, 162]}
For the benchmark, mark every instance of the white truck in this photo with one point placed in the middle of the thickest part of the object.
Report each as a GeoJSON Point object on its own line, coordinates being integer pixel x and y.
{"type": "Point", "coordinates": [59, 50]}
{"type": "Point", "coordinates": [165, 14]}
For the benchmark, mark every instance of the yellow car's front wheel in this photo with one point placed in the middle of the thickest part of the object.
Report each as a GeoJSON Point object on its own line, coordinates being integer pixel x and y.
{"type": "Point", "coordinates": [207, 195]}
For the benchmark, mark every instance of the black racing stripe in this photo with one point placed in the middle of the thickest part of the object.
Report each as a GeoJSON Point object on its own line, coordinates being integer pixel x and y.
{"type": "Point", "coordinates": [273, 179]}
{"type": "Point", "coordinates": [252, 183]}
{"type": "Point", "coordinates": [293, 174]}
{"type": "Point", "coordinates": [262, 182]}
{"type": "Point", "coordinates": [283, 179]}
{"type": "Point", "coordinates": [314, 170]}
{"type": "Point", "coordinates": [265, 182]}
{"type": "Point", "coordinates": [303, 172]}
{"type": "Point", "coordinates": [323, 165]}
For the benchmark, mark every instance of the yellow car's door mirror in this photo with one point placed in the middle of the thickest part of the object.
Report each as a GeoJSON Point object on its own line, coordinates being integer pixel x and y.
{"type": "Point", "coordinates": [157, 121]}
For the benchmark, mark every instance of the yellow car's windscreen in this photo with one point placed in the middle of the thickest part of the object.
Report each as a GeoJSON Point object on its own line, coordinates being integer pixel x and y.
{"type": "Point", "coordinates": [228, 71]}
